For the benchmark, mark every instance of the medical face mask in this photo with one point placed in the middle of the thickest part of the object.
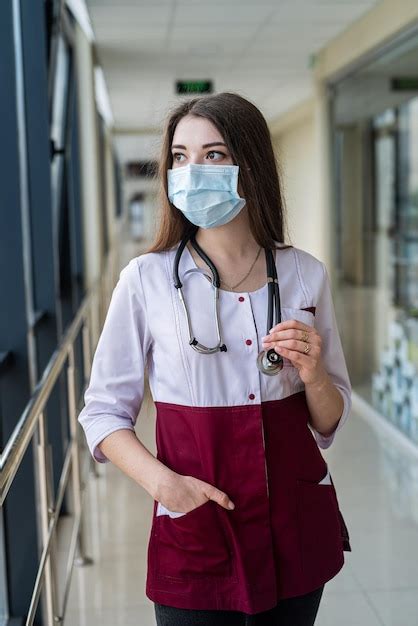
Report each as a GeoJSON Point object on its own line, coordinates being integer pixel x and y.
{"type": "Point", "coordinates": [206, 194]}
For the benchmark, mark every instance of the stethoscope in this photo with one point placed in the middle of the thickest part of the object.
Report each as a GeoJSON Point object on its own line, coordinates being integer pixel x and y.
{"type": "Point", "coordinates": [268, 362]}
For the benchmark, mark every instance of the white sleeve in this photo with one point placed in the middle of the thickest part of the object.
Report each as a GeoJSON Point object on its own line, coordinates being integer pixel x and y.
{"type": "Point", "coordinates": [115, 391]}
{"type": "Point", "coordinates": [332, 354]}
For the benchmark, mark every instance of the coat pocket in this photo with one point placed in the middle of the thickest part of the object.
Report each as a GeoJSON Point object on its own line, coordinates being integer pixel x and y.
{"type": "Point", "coordinates": [192, 545]}
{"type": "Point", "coordinates": [326, 480]}
{"type": "Point", "coordinates": [301, 315]}
{"type": "Point", "coordinates": [319, 528]}
{"type": "Point", "coordinates": [162, 510]}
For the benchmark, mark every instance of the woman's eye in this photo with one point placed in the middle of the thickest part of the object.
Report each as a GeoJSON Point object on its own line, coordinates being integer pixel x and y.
{"type": "Point", "coordinates": [177, 154]}
{"type": "Point", "coordinates": [212, 152]}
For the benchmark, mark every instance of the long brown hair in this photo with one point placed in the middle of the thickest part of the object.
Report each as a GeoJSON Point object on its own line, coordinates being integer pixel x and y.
{"type": "Point", "coordinates": [247, 136]}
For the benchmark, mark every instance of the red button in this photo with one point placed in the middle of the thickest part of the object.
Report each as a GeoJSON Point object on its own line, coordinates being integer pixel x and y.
{"type": "Point", "coordinates": [251, 396]}
{"type": "Point", "coordinates": [248, 342]}
{"type": "Point", "coordinates": [241, 298]}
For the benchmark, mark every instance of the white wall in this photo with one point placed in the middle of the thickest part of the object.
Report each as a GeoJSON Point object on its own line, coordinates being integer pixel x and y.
{"type": "Point", "coordinates": [297, 148]}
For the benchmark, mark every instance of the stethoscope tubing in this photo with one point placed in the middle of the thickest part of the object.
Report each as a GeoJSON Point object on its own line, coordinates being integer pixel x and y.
{"type": "Point", "coordinates": [269, 362]}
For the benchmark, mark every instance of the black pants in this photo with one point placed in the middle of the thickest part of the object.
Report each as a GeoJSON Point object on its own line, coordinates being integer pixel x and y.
{"type": "Point", "coordinates": [297, 611]}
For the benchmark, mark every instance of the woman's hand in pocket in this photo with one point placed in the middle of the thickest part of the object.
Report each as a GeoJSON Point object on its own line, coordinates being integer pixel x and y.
{"type": "Point", "coordinates": [184, 493]}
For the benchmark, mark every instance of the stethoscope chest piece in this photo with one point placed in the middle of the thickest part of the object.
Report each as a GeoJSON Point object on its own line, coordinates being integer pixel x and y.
{"type": "Point", "coordinates": [269, 362]}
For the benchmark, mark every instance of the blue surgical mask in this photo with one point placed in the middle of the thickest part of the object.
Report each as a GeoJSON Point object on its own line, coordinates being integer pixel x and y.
{"type": "Point", "coordinates": [206, 194]}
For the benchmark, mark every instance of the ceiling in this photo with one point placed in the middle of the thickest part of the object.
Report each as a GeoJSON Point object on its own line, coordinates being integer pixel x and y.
{"type": "Point", "coordinates": [258, 48]}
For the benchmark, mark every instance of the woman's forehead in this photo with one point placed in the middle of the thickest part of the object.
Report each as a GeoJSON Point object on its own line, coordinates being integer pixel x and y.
{"type": "Point", "coordinates": [196, 131]}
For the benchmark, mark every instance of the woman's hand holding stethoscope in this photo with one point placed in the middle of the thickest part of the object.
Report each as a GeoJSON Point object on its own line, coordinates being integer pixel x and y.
{"type": "Point", "coordinates": [301, 344]}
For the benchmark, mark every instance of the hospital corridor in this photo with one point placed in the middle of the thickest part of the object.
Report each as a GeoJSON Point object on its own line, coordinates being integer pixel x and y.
{"type": "Point", "coordinates": [209, 313]}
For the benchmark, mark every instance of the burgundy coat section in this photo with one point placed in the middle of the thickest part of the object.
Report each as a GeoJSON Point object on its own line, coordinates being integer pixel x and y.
{"type": "Point", "coordinates": [286, 535]}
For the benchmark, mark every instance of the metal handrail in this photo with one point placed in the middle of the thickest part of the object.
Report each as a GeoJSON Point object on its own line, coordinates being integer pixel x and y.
{"type": "Point", "coordinates": [88, 321]}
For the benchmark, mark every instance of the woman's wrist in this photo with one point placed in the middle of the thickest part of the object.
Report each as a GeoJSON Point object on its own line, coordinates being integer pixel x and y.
{"type": "Point", "coordinates": [128, 453]}
{"type": "Point", "coordinates": [161, 477]}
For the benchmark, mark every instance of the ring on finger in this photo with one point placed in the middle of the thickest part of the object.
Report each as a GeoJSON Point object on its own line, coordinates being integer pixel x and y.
{"type": "Point", "coordinates": [305, 336]}
{"type": "Point", "coordinates": [307, 348]}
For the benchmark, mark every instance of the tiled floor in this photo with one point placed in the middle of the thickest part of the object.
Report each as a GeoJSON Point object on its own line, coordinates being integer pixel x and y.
{"type": "Point", "coordinates": [378, 495]}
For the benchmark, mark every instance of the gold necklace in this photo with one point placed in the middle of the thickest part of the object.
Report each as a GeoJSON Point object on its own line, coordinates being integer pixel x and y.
{"type": "Point", "coordinates": [246, 275]}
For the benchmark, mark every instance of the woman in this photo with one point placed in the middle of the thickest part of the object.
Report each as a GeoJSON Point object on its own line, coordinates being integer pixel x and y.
{"type": "Point", "coordinates": [246, 527]}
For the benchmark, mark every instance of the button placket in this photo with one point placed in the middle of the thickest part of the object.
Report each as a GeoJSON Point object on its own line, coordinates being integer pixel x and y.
{"type": "Point", "coordinates": [257, 385]}
{"type": "Point", "coordinates": [249, 334]}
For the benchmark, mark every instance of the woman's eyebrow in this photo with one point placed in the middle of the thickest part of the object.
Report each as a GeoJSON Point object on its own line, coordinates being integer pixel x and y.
{"type": "Point", "coordinates": [205, 145]}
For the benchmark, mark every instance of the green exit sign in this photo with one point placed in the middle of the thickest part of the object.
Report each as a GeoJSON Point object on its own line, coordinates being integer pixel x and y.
{"type": "Point", "coordinates": [194, 86]}
{"type": "Point", "coordinates": [404, 83]}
